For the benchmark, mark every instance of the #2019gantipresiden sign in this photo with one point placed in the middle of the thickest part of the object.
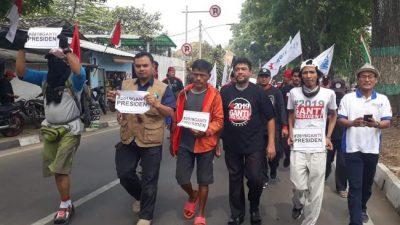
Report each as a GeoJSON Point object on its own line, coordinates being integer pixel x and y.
{"type": "Point", "coordinates": [195, 120]}
{"type": "Point", "coordinates": [308, 139]}
{"type": "Point", "coordinates": [132, 102]}
{"type": "Point", "coordinates": [43, 37]}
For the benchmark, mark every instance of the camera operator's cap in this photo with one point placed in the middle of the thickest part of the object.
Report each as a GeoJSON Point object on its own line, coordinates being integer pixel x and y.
{"type": "Point", "coordinates": [339, 85]}
{"type": "Point", "coordinates": [368, 68]}
{"type": "Point", "coordinates": [9, 73]}
{"type": "Point", "coordinates": [171, 68]}
{"type": "Point", "coordinates": [308, 62]}
{"type": "Point", "coordinates": [287, 73]}
{"type": "Point", "coordinates": [264, 72]}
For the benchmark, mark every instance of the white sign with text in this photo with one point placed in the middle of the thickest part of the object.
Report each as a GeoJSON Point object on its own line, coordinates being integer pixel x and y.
{"type": "Point", "coordinates": [132, 102]}
{"type": "Point", "coordinates": [43, 37]}
{"type": "Point", "coordinates": [308, 139]}
{"type": "Point", "coordinates": [195, 120]}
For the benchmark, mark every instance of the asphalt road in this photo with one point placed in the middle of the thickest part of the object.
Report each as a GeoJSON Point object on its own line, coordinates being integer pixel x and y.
{"type": "Point", "coordinates": [27, 198]}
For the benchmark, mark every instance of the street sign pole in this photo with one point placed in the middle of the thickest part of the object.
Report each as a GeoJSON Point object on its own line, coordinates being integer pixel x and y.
{"type": "Point", "coordinates": [200, 39]}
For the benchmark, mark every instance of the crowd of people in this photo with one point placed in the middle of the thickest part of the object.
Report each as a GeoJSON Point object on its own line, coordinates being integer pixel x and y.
{"type": "Point", "coordinates": [301, 120]}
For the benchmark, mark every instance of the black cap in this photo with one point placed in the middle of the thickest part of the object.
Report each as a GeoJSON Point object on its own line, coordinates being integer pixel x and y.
{"type": "Point", "coordinates": [264, 72]}
{"type": "Point", "coordinates": [339, 86]}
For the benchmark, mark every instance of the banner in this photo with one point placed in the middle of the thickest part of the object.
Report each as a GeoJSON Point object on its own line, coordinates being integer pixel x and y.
{"type": "Point", "coordinates": [195, 120]}
{"type": "Point", "coordinates": [43, 37]}
{"type": "Point", "coordinates": [294, 49]}
{"type": "Point", "coordinates": [225, 75]}
{"type": "Point", "coordinates": [213, 78]}
{"type": "Point", "coordinates": [308, 139]}
{"type": "Point", "coordinates": [324, 60]}
{"type": "Point", "coordinates": [132, 102]}
{"type": "Point", "coordinates": [278, 60]}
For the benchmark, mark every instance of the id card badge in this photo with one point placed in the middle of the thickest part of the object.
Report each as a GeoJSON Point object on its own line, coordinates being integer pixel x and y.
{"type": "Point", "coordinates": [308, 139]}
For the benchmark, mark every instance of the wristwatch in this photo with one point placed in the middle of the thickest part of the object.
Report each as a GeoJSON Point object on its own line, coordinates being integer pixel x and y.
{"type": "Point", "coordinates": [67, 50]}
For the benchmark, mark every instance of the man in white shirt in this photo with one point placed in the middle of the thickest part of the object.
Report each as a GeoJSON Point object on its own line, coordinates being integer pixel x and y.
{"type": "Point", "coordinates": [364, 113]}
{"type": "Point", "coordinates": [308, 107]}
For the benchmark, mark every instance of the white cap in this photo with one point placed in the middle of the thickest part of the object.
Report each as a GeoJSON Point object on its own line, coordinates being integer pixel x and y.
{"type": "Point", "coordinates": [308, 62]}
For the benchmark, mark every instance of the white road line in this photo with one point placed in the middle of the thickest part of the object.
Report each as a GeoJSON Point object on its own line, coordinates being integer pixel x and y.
{"type": "Point", "coordinates": [80, 201]}
{"type": "Point", "coordinates": [38, 146]}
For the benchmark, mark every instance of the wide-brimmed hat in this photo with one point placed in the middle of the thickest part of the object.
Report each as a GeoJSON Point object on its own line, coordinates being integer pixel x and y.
{"type": "Point", "coordinates": [368, 68]}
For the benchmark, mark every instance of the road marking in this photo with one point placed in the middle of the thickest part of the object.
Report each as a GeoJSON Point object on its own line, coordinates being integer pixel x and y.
{"type": "Point", "coordinates": [18, 150]}
{"type": "Point", "coordinates": [77, 203]}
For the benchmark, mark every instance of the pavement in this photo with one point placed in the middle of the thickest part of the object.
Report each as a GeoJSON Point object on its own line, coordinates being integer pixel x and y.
{"type": "Point", "coordinates": [31, 135]}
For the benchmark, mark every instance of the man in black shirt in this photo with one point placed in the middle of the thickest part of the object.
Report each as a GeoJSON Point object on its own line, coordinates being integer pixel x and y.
{"type": "Point", "coordinates": [281, 127]}
{"type": "Point", "coordinates": [7, 96]}
{"type": "Point", "coordinates": [247, 113]}
{"type": "Point", "coordinates": [173, 82]}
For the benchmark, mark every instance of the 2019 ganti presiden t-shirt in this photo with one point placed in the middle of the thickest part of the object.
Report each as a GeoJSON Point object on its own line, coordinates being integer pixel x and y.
{"type": "Point", "coordinates": [246, 113]}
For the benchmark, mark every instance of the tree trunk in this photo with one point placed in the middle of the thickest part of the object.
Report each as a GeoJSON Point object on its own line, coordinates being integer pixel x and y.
{"type": "Point", "coordinates": [385, 49]}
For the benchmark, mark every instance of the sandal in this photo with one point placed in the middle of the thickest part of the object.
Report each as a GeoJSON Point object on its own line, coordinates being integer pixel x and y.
{"type": "Point", "coordinates": [200, 220]}
{"type": "Point", "coordinates": [64, 215]}
{"type": "Point", "coordinates": [190, 209]}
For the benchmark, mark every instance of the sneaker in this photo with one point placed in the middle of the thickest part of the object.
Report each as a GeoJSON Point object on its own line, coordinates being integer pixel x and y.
{"type": "Point", "coordinates": [255, 217]}
{"type": "Point", "coordinates": [286, 162]}
{"type": "Point", "coordinates": [136, 206]}
{"type": "Point", "coordinates": [143, 222]}
{"type": "Point", "coordinates": [236, 221]}
{"type": "Point", "coordinates": [364, 217]}
{"type": "Point", "coordinates": [64, 215]}
{"type": "Point", "coordinates": [296, 213]}
{"type": "Point", "coordinates": [343, 194]}
{"type": "Point", "coordinates": [265, 185]}
{"type": "Point", "coordinates": [273, 175]}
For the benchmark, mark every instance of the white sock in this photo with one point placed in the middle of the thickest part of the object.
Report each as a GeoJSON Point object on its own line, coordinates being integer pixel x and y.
{"type": "Point", "coordinates": [65, 204]}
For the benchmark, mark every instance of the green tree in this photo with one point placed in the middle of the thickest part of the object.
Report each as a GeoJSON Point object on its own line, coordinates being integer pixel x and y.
{"type": "Point", "coordinates": [266, 25]}
{"type": "Point", "coordinates": [29, 6]}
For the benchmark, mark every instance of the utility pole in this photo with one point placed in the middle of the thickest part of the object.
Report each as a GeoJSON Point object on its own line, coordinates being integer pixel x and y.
{"type": "Point", "coordinates": [186, 24]}
{"type": "Point", "coordinates": [200, 39]}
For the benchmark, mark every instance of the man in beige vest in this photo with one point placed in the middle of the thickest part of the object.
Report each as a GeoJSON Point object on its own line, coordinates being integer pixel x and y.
{"type": "Point", "coordinates": [142, 136]}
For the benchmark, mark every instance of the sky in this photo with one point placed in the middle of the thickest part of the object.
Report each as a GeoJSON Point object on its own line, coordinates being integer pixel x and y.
{"type": "Point", "coordinates": [173, 20]}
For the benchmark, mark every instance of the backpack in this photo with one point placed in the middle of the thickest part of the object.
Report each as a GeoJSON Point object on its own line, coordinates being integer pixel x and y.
{"type": "Point", "coordinates": [88, 107]}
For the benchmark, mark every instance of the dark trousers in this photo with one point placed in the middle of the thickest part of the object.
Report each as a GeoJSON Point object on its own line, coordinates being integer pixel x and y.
{"type": "Point", "coordinates": [240, 165]}
{"type": "Point", "coordinates": [340, 173]}
{"type": "Point", "coordinates": [145, 189]}
{"type": "Point", "coordinates": [273, 164]}
{"type": "Point", "coordinates": [361, 168]}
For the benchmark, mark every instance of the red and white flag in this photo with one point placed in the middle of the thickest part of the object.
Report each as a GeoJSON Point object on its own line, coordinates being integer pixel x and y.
{"type": "Point", "coordinates": [76, 43]}
{"type": "Point", "coordinates": [116, 34]}
{"type": "Point", "coordinates": [13, 15]}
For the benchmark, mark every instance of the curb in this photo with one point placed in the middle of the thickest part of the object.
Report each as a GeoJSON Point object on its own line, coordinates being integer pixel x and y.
{"type": "Point", "coordinates": [389, 184]}
{"type": "Point", "coordinates": [36, 138]}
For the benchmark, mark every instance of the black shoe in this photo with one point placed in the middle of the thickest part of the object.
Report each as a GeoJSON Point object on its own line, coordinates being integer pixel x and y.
{"type": "Point", "coordinates": [273, 175]}
{"type": "Point", "coordinates": [286, 162]}
{"type": "Point", "coordinates": [236, 221]}
{"type": "Point", "coordinates": [296, 213]}
{"type": "Point", "coordinates": [255, 217]}
{"type": "Point", "coordinates": [364, 217]}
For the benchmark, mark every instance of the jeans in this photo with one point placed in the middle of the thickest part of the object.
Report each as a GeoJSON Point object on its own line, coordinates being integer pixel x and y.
{"type": "Point", "coordinates": [361, 168]}
{"type": "Point", "coordinates": [145, 189]}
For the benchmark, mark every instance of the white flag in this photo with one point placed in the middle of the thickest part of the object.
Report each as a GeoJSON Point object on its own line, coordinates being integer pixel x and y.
{"type": "Point", "coordinates": [278, 60]}
{"type": "Point", "coordinates": [13, 16]}
{"type": "Point", "coordinates": [324, 60]}
{"type": "Point", "coordinates": [294, 49]}
{"type": "Point", "coordinates": [213, 78]}
{"type": "Point", "coordinates": [225, 76]}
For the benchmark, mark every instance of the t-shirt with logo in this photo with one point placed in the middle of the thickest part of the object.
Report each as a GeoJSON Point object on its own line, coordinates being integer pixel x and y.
{"type": "Point", "coordinates": [310, 118]}
{"type": "Point", "coordinates": [246, 113]}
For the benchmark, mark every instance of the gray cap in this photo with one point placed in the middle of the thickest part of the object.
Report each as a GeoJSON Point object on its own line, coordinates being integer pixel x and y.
{"type": "Point", "coordinates": [368, 68]}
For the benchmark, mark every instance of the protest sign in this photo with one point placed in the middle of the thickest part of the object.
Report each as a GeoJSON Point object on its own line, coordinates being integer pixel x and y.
{"type": "Point", "coordinates": [308, 139]}
{"type": "Point", "coordinates": [132, 102]}
{"type": "Point", "coordinates": [43, 37]}
{"type": "Point", "coordinates": [195, 120]}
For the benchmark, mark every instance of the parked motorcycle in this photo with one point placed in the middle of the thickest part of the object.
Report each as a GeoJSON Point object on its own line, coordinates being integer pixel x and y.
{"type": "Point", "coordinates": [11, 120]}
{"type": "Point", "coordinates": [34, 110]}
{"type": "Point", "coordinates": [98, 96]}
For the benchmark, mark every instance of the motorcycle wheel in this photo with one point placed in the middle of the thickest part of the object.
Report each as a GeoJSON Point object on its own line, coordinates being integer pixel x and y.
{"type": "Point", "coordinates": [19, 126]}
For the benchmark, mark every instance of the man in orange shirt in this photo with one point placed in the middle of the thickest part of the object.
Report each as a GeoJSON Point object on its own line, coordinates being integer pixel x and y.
{"type": "Point", "coordinates": [189, 144]}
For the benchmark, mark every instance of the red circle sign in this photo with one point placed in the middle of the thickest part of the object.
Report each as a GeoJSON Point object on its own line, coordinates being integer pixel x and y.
{"type": "Point", "coordinates": [215, 10]}
{"type": "Point", "coordinates": [186, 49]}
